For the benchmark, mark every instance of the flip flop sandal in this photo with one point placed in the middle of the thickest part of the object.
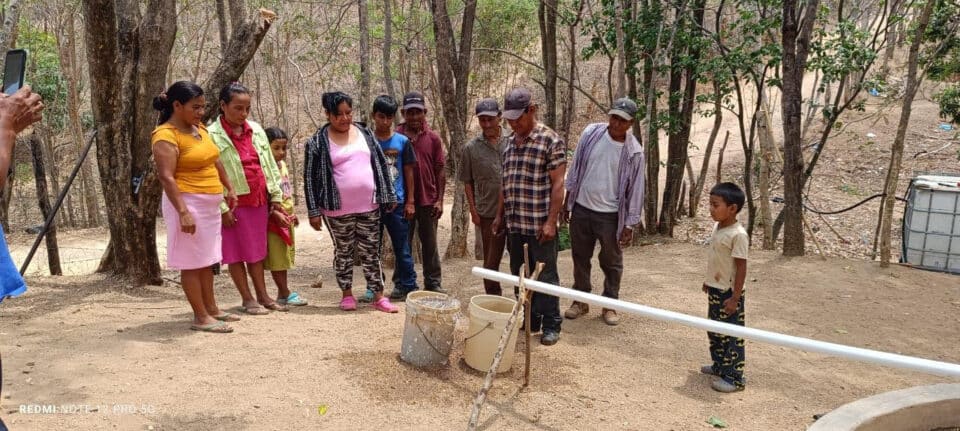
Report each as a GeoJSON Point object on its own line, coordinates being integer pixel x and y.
{"type": "Point", "coordinates": [276, 307]}
{"type": "Point", "coordinates": [256, 311]}
{"type": "Point", "coordinates": [227, 317]}
{"type": "Point", "coordinates": [294, 299]}
{"type": "Point", "coordinates": [216, 327]}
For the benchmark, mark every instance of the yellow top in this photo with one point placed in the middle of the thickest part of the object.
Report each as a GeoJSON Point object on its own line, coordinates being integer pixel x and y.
{"type": "Point", "coordinates": [196, 170]}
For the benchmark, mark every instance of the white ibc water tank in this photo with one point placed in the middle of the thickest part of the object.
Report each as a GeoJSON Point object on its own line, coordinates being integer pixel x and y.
{"type": "Point", "coordinates": [931, 223]}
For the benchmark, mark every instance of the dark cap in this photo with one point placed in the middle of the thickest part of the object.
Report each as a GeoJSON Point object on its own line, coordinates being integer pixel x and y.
{"type": "Point", "coordinates": [516, 103]}
{"type": "Point", "coordinates": [414, 100]}
{"type": "Point", "coordinates": [624, 108]}
{"type": "Point", "coordinates": [488, 108]}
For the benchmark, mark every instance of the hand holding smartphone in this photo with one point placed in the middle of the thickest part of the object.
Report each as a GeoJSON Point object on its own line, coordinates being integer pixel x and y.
{"type": "Point", "coordinates": [14, 69]}
{"type": "Point", "coordinates": [19, 107]}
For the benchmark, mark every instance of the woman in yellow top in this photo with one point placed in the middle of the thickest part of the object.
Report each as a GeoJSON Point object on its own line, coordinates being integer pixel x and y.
{"type": "Point", "coordinates": [193, 181]}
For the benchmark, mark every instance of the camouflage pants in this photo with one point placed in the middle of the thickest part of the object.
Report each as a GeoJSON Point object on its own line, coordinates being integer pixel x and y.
{"type": "Point", "coordinates": [727, 352]}
{"type": "Point", "coordinates": [357, 234]}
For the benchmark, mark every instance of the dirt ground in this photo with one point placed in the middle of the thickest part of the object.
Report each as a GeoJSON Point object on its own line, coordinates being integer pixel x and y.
{"type": "Point", "coordinates": [84, 343]}
{"type": "Point", "coordinates": [90, 343]}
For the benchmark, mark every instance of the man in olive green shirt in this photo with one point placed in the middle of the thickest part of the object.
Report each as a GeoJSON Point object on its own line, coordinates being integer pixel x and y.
{"type": "Point", "coordinates": [480, 172]}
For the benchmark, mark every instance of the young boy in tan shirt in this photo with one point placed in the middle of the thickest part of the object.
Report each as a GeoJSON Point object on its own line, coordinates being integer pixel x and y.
{"type": "Point", "coordinates": [726, 272]}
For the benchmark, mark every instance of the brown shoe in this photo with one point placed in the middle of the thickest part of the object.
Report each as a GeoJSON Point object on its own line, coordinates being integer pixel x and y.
{"type": "Point", "coordinates": [610, 317]}
{"type": "Point", "coordinates": [576, 310]}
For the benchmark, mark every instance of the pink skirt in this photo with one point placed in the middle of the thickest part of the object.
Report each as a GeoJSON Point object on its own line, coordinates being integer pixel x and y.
{"type": "Point", "coordinates": [201, 248]}
{"type": "Point", "coordinates": [246, 241]}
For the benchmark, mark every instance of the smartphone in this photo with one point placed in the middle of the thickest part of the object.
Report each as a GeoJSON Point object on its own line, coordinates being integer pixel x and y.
{"type": "Point", "coordinates": [13, 70]}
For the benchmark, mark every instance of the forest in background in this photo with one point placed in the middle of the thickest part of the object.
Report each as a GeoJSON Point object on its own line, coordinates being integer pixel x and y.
{"type": "Point", "coordinates": [785, 71]}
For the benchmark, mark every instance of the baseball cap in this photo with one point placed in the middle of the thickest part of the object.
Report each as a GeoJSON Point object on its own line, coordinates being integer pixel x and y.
{"type": "Point", "coordinates": [516, 103]}
{"type": "Point", "coordinates": [488, 108]}
{"type": "Point", "coordinates": [414, 100]}
{"type": "Point", "coordinates": [624, 108]}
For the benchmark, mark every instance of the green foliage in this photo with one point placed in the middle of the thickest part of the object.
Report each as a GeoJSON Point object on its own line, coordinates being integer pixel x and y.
{"type": "Point", "coordinates": [943, 59]}
{"type": "Point", "coordinates": [506, 24]}
{"type": "Point", "coordinates": [563, 238]}
{"type": "Point", "coordinates": [43, 73]}
{"type": "Point", "coordinates": [949, 100]}
{"type": "Point", "coordinates": [840, 51]}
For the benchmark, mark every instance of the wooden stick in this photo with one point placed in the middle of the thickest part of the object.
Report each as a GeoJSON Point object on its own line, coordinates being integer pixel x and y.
{"type": "Point", "coordinates": [814, 237]}
{"type": "Point", "coordinates": [528, 336]}
{"type": "Point", "coordinates": [527, 306]}
{"type": "Point", "coordinates": [824, 220]}
{"type": "Point", "coordinates": [498, 356]}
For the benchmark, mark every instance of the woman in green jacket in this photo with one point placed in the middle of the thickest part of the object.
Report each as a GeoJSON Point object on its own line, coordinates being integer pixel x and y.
{"type": "Point", "coordinates": [245, 153]}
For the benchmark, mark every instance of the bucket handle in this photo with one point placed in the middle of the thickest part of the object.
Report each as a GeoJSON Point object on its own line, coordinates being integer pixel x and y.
{"type": "Point", "coordinates": [489, 324]}
{"type": "Point", "coordinates": [427, 339]}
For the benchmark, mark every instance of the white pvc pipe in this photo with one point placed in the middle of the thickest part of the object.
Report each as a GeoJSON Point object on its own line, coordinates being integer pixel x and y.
{"type": "Point", "coordinates": [833, 349]}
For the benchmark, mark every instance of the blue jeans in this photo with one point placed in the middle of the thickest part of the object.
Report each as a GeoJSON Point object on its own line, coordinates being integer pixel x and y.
{"type": "Point", "coordinates": [404, 275]}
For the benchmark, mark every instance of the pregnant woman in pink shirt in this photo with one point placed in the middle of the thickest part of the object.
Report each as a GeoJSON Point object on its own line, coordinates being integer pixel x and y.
{"type": "Point", "coordinates": [347, 184]}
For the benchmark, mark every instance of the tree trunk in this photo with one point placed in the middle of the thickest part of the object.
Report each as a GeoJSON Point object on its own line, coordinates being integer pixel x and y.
{"type": "Point", "coordinates": [723, 148]}
{"type": "Point", "coordinates": [246, 39]}
{"type": "Point", "coordinates": [767, 148]}
{"type": "Point", "coordinates": [67, 44]}
{"type": "Point", "coordinates": [387, 47]}
{"type": "Point", "coordinates": [238, 14]}
{"type": "Point", "coordinates": [127, 69]}
{"type": "Point", "coordinates": [681, 110]}
{"type": "Point", "coordinates": [11, 17]}
{"type": "Point", "coordinates": [453, 73]}
{"type": "Point", "coordinates": [364, 103]}
{"type": "Point", "coordinates": [652, 156]}
{"type": "Point", "coordinates": [43, 198]}
{"type": "Point", "coordinates": [896, 151]}
{"type": "Point", "coordinates": [567, 114]}
{"type": "Point", "coordinates": [697, 189]}
{"type": "Point", "coordinates": [674, 163]}
{"type": "Point", "coordinates": [796, 45]}
{"type": "Point", "coordinates": [223, 26]}
{"type": "Point", "coordinates": [621, 71]}
{"type": "Point", "coordinates": [548, 46]}
{"type": "Point", "coordinates": [122, 87]}
{"type": "Point", "coordinates": [65, 217]}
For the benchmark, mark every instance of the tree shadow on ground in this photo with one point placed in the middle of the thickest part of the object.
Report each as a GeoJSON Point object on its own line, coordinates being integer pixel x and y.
{"type": "Point", "coordinates": [163, 332]}
{"type": "Point", "coordinates": [50, 295]}
{"type": "Point", "coordinates": [697, 387]}
{"type": "Point", "coordinates": [448, 375]}
{"type": "Point", "coordinates": [201, 422]}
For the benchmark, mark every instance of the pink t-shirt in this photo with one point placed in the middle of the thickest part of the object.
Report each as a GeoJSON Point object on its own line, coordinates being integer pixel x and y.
{"type": "Point", "coordinates": [353, 173]}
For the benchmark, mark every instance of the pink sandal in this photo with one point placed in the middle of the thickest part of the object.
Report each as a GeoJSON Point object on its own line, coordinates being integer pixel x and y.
{"type": "Point", "coordinates": [385, 306]}
{"type": "Point", "coordinates": [348, 303]}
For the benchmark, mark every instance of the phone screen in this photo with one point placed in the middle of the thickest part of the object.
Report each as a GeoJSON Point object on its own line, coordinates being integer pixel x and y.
{"type": "Point", "coordinates": [13, 70]}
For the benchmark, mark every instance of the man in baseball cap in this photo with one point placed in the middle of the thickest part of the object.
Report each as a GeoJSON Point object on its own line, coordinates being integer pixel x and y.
{"type": "Point", "coordinates": [480, 171]}
{"type": "Point", "coordinates": [534, 163]}
{"type": "Point", "coordinates": [429, 185]}
{"type": "Point", "coordinates": [414, 99]}
{"type": "Point", "coordinates": [604, 199]}
{"type": "Point", "coordinates": [624, 108]}
{"type": "Point", "coordinates": [517, 102]}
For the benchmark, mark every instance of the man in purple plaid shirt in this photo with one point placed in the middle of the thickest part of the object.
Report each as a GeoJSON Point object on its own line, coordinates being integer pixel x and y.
{"type": "Point", "coordinates": [534, 163]}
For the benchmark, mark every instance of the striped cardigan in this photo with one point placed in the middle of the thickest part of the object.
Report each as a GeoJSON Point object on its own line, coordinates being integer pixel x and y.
{"type": "Point", "coordinates": [321, 189]}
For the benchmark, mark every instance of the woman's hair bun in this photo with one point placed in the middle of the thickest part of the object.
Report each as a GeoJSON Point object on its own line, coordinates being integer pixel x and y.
{"type": "Point", "coordinates": [160, 102]}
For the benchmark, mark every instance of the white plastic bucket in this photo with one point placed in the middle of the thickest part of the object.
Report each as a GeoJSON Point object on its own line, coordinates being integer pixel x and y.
{"type": "Point", "coordinates": [428, 329]}
{"type": "Point", "coordinates": [488, 318]}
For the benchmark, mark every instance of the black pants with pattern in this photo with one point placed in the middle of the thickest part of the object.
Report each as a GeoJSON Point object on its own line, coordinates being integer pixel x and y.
{"type": "Point", "coordinates": [357, 234]}
{"type": "Point", "coordinates": [727, 352]}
